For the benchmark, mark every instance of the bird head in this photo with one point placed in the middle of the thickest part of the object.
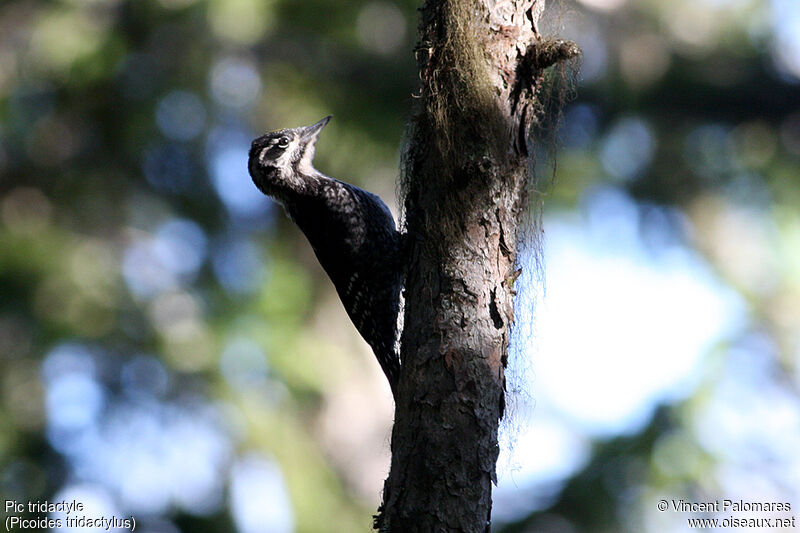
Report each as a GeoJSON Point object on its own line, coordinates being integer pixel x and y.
{"type": "Point", "coordinates": [280, 162]}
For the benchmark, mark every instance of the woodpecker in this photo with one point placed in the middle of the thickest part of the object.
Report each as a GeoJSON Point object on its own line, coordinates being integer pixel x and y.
{"type": "Point", "coordinates": [351, 231]}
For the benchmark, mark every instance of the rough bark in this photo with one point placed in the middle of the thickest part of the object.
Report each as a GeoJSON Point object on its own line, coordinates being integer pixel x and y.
{"type": "Point", "coordinates": [465, 172]}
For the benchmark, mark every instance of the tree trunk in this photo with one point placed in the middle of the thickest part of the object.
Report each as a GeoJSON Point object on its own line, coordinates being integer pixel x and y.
{"type": "Point", "coordinates": [465, 171]}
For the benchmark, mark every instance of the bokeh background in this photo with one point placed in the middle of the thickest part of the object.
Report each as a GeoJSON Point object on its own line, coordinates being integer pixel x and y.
{"type": "Point", "coordinates": [170, 349]}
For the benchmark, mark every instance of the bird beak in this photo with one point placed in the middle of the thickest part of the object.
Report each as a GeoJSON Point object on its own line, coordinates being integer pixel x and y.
{"type": "Point", "coordinates": [310, 133]}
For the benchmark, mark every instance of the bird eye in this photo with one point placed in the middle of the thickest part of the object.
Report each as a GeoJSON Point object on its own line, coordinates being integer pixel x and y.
{"type": "Point", "coordinates": [283, 142]}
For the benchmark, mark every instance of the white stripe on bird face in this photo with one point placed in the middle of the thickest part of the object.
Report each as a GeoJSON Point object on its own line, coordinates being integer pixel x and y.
{"type": "Point", "coordinates": [306, 165]}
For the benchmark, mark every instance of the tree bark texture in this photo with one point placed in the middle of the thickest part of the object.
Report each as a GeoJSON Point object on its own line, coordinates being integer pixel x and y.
{"type": "Point", "coordinates": [464, 182]}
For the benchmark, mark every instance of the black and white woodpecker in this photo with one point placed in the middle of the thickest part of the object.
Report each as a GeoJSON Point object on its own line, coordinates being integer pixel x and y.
{"type": "Point", "coordinates": [351, 231]}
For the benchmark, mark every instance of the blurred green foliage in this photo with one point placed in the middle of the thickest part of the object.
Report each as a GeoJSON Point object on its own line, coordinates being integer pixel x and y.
{"type": "Point", "coordinates": [133, 247]}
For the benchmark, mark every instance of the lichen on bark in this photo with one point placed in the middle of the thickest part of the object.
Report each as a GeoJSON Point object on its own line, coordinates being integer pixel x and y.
{"type": "Point", "coordinates": [465, 188]}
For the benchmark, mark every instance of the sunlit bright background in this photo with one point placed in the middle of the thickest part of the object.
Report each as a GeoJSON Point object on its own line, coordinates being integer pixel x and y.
{"type": "Point", "coordinates": [170, 349]}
